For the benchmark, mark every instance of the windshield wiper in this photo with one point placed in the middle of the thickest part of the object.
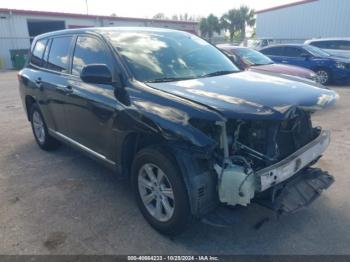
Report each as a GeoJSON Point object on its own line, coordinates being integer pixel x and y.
{"type": "Point", "coordinates": [167, 79]}
{"type": "Point", "coordinates": [219, 73]}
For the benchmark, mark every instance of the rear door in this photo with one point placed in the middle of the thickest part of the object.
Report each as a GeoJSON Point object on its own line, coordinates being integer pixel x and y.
{"type": "Point", "coordinates": [54, 81]}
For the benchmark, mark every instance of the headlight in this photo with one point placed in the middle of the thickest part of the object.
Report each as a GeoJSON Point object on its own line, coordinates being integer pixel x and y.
{"type": "Point", "coordinates": [340, 65]}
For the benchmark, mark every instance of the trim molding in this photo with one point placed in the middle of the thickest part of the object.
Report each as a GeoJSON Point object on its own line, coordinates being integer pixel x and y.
{"type": "Point", "coordinates": [82, 147]}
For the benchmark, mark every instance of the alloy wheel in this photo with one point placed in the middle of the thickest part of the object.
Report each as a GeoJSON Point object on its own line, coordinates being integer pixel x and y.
{"type": "Point", "coordinates": [322, 76]}
{"type": "Point", "coordinates": [39, 129]}
{"type": "Point", "coordinates": [156, 192]}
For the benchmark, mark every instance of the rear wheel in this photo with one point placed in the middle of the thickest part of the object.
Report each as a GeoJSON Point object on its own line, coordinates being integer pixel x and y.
{"type": "Point", "coordinates": [323, 76]}
{"type": "Point", "coordinates": [160, 191]}
{"type": "Point", "coordinates": [41, 134]}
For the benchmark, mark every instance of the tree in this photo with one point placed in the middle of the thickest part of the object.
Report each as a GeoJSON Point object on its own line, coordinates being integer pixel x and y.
{"type": "Point", "coordinates": [159, 16]}
{"type": "Point", "coordinates": [231, 22]}
{"type": "Point", "coordinates": [208, 26]}
{"type": "Point", "coordinates": [247, 18]}
{"type": "Point", "coordinates": [236, 21]}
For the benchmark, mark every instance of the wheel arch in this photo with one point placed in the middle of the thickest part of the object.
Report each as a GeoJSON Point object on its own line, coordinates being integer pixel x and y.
{"type": "Point", "coordinates": [195, 168]}
{"type": "Point", "coordinates": [29, 101]}
{"type": "Point", "coordinates": [132, 144]}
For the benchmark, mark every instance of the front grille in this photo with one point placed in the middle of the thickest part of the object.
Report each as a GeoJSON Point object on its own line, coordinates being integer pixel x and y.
{"type": "Point", "coordinates": [294, 133]}
{"type": "Point", "coordinates": [268, 142]}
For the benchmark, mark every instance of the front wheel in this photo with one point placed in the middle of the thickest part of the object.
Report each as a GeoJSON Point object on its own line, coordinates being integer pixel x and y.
{"type": "Point", "coordinates": [160, 191]}
{"type": "Point", "coordinates": [324, 76]}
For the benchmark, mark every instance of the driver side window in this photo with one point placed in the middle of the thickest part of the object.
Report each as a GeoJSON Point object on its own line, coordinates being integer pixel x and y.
{"type": "Point", "coordinates": [89, 50]}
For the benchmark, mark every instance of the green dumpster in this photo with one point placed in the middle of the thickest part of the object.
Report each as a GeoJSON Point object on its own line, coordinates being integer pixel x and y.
{"type": "Point", "coordinates": [19, 58]}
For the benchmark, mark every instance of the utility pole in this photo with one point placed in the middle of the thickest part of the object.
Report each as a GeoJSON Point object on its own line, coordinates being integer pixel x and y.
{"type": "Point", "coordinates": [87, 7]}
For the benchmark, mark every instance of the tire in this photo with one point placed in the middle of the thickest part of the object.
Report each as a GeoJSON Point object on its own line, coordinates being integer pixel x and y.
{"type": "Point", "coordinates": [153, 160]}
{"type": "Point", "coordinates": [324, 76]}
{"type": "Point", "coordinates": [40, 132]}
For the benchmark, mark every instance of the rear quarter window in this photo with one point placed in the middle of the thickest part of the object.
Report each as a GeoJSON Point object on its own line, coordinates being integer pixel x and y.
{"type": "Point", "coordinates": [38, 52]}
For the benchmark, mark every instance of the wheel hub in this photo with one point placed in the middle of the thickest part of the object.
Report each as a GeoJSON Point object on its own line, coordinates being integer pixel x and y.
{"type": "Point", "coordinates": [156, 192]}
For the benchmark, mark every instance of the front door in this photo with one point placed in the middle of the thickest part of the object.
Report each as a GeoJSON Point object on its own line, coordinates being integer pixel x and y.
{"type": "Point", "coordinates": [92, 108]}
{"type": "Point", "coordinates": [294, 56]}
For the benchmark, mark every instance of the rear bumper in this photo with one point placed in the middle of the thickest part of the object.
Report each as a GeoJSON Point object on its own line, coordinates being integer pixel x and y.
{"type": "Point", "coordinates": [283, 170]}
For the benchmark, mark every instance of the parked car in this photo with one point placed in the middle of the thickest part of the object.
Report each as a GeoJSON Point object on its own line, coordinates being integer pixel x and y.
{"type": "Point", "coordinates": [249, 59]}
{"type": "Point", "coordinates": [173, 114]}
{"type": "Point", "coordinates": [333, 46]}
{"type": "Point", "coordinates": [330, 69]}
{"type": "Point", "coordinates": [258, 43]}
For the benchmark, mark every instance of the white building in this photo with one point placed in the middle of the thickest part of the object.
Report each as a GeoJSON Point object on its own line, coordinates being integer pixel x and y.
{"type": "Point", "coordinates": [19, 27]}
{"type": "Point", "coordinates": [304, 20]}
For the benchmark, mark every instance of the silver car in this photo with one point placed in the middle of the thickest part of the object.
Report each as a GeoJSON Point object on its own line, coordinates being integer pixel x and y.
{"type": "Point", "coordinates": [333, 46]}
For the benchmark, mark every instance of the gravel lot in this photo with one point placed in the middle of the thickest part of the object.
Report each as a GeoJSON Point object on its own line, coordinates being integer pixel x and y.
{"type": "Point", "coordinates": [64, 203]}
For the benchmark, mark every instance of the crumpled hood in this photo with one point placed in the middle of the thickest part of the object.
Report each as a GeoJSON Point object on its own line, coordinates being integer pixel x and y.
{"type": "Point", "coordinates": [284, 69]}
{"type": "Point", "coordinates": [250, 95]}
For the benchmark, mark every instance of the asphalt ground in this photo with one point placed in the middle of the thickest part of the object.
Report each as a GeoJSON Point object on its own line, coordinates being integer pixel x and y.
{"type": "Point", "coordinates": [62, 202]}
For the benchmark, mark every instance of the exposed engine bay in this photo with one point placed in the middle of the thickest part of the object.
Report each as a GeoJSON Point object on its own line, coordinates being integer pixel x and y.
{"type": "Point", "coordinates": [259, 155]}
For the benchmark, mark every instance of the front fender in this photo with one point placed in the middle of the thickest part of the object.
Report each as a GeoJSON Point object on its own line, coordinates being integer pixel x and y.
{"type": "Point", "coordinates": [170, 117]}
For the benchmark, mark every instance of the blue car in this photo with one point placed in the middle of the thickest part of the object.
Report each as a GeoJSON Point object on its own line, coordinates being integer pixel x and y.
{"type": "Point", "coordinates": [330, 69]}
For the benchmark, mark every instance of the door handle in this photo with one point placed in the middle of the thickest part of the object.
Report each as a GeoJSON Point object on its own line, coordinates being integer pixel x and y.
{"type": "Point", "coordinates": [39, 83]}
{"type": "Point", "coordinates": [68, 89]}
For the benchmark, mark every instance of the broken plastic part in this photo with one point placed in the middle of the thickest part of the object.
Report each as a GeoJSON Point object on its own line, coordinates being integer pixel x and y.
{"type": "Point", "coordinates": [236, 186]}
{"type": "Point", "coordinates": [298, 192]}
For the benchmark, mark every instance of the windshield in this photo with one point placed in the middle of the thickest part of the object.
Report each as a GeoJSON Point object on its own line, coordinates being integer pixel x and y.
{"type": "Point", "coordinates": [252, 57]}
{"type": "Point", "coordinates": [316, 51]}
{"type": "Point", "coordinates": [169, 56]}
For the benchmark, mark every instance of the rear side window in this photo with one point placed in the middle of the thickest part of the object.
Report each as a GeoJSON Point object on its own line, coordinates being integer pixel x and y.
{"type": "Point", "coordinates": [321, 44]}
{"type": "Point", "coordinates": [89, 50]}
{"type": "Point", "coordinates": [59, 54]}
{"type": "Point", "coordinates": [293, 51]}
{"type": "Point", "coordinates": [275, 51]}
{"type": "Point", "coordinates": [38, 52]}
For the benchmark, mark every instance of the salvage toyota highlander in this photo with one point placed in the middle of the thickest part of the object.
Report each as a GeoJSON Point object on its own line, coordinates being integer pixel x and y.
{"type": "Point", "coordinates": [171, 112]}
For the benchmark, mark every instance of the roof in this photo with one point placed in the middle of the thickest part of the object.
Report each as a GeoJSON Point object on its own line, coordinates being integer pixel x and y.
{"type": "Point", "coordinates": [285, 6]}
{"type": "Point", "coordinates": [328, 39]}
{"type": "Point", "coordinates": [283, 45]}
{"type": "Point", "coordinates": [75, 15]}
{"type": "Point", "coordinates": [104, 30]}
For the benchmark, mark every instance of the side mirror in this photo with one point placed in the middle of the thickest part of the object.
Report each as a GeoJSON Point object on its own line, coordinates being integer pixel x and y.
{"type": "Point", "coordinates": [96, 74]}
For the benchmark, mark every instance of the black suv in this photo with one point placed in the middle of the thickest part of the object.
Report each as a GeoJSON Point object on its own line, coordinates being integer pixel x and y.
{"type": "Point", "coordinates": [174, 114]}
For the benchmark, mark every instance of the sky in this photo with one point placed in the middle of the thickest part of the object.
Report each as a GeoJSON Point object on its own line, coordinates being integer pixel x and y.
{"type": "Point", "coordinates": [140, 8]}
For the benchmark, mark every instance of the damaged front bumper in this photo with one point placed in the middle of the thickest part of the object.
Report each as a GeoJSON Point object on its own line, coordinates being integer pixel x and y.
{"type": "Point", "coordinates": [239, 186]}
{"type": "Point", "coordinates": [297, 192]}
{"type": "Point", "coordinates": [291, 165]}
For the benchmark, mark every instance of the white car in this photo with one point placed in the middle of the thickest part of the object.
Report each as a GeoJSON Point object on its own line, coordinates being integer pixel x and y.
{"type": "Point", "coordinates": [333, 46]}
